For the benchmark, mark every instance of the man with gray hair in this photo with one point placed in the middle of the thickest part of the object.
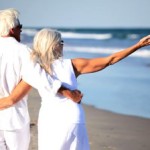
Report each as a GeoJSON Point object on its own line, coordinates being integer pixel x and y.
{"type": "Point", "coordinates": [15, 65]}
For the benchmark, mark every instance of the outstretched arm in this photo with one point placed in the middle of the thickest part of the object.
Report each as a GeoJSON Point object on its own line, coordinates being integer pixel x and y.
{"type": "Point", "coordinates": [83, 66]}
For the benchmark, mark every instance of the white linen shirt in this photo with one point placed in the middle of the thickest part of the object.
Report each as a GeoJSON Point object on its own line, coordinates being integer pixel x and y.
{"type": "Point", "coordinates": [15, 64]}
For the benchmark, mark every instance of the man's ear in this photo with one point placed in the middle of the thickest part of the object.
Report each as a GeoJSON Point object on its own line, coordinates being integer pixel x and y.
{"type": "Point", "coordinates": [11, 32]}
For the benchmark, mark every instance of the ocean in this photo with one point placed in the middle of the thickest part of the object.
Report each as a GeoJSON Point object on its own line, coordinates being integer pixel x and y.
{"type": "Point", "coordinates": [122, 88]}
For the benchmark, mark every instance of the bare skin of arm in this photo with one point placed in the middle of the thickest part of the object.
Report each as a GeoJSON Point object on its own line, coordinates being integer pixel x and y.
{"type": "Point", "coordinates": [17, 94]}
{"type": "Point", "coordinates": [84, 66]}
{"type": "Point", "coordinates": [23, 88]}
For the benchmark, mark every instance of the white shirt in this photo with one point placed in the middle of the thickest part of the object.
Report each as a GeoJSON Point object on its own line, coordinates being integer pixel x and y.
{"type": "Point", "coordinates": [15, 64]}
{"type": "Point", "coordinates": [57, 108]}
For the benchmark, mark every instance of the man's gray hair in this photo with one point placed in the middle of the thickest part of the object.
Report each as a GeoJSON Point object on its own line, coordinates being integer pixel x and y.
{"type": "Point", "coordinates": [9, 18]}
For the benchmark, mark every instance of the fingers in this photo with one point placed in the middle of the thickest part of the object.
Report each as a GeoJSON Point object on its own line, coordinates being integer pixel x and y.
{"type": "Point", "coordinates": [77, 91]}
{"type": "Point", "coordinates": [77, 96]}
{"type": "Point", "coordinates": [80, 94]}
{"type": "Point", "coordinates": [145, 41]}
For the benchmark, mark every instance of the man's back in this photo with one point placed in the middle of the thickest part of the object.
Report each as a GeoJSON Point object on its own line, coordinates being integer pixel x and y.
{"type": "Point", "coordinates": [11, 58]}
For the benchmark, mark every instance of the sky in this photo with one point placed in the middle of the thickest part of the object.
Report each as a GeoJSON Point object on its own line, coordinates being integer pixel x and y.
{"type": "Point", "coordinates": [82, 13]}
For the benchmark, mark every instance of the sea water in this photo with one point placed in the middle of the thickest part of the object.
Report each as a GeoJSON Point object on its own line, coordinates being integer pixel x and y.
{"type": "Point", "coordinates": [121, 88]}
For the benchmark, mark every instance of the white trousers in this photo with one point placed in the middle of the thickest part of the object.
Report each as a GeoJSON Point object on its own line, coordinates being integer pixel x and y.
{"type": "Point", "coordinates": [62, 137]}
{"type": "Point", "coordinates": [15, 139]}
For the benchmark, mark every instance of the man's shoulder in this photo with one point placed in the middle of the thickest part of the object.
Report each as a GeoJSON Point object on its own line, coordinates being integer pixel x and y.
{"type": "Point", "coordinates": [12, 43]}
{"type": "Point", "coordinates": [22, 48]}
{"type": "Point", "coordinates": [21, 45]}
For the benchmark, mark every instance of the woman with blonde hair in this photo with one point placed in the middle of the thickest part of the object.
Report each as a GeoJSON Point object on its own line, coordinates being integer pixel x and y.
{"type": "Point", "coordinates": [61, 124]}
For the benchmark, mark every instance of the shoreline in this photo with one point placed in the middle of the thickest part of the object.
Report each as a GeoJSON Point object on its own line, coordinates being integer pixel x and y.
{"type": "Point", "coordinates": [106, 130]}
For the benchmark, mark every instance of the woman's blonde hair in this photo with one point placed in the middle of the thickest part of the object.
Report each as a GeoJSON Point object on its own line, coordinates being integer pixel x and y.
{"type": "Point", "coordinates": [45, 45]}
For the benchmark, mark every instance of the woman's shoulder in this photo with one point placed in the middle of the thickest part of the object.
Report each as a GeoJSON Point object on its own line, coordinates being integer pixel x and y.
{"type": "Point", "coordinates": [62, 62]}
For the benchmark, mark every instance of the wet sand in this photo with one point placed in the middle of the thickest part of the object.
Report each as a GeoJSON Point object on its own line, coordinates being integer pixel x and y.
{"type": "Point", "coordinates": [106, 130]}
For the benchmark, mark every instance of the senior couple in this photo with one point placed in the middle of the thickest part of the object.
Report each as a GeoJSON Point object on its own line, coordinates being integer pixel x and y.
{"type": "Point", "coordinates": [61, 121]}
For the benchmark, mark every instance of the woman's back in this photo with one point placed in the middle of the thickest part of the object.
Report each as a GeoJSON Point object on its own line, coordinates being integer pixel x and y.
{"type": "Point", "coordinates": [59, 107]}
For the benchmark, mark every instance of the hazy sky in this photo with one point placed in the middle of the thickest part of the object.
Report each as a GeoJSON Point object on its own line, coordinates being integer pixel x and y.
{"type": "Point", "coordinates": [82, 13]}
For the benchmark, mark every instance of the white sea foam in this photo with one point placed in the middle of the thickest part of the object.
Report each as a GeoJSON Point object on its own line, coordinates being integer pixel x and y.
{"type": "Point", "coordinates": [140, 53]}
{"type": "Point", "coordinates": [86, 36]}
{"type": "Point", "coordinates": [132, 36]}
{"type": "Point", "coordinates": [29, 32]}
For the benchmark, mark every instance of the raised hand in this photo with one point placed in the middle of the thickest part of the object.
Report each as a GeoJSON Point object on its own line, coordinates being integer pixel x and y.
{"type": "Point", "coordinates": [145, 41]}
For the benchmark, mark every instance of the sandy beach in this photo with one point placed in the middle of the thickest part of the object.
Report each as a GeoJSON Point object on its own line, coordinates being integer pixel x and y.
{"type": "Point", "coordinates": [106, 130]}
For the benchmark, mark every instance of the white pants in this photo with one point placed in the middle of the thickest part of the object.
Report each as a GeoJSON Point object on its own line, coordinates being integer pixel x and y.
{"type": "Point", "coordinates": [62, 137]}
{"type": "Point", "coordinates": [15, 139]}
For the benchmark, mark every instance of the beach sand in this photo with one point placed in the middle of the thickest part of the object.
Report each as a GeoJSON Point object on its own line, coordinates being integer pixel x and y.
{"type": "Point", "coordinates": [106, 130]}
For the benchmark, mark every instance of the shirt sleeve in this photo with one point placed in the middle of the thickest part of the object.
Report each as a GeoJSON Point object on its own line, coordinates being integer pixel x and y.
{"type": "Point", "coordinates": [37, 77]}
